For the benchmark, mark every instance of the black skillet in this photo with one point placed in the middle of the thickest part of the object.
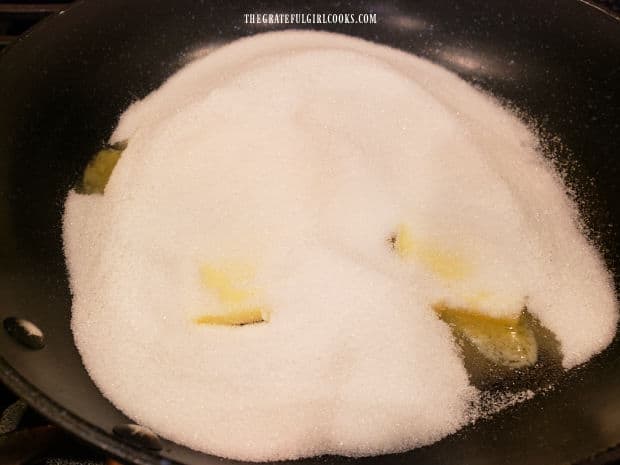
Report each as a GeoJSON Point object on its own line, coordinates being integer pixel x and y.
{"type": "Point", "coordinates": [64, 84]}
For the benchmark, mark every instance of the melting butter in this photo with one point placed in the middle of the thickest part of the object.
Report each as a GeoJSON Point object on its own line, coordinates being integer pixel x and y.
{"type": "Point", "coordinates": [99, 169]}
{"type": "Point", "coordinates": [230, 283]}
{"type": "Point", "coordinates": [232, 286]}
{"type": "Point", "coordinates": [508, 342]}
{"type": "Point", "coordinates": [235, 318]}
{"type": "Point", "coordinates": [446, 264]}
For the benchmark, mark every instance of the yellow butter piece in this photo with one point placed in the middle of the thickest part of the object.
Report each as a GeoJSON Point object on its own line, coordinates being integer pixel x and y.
{"type": "Point", "coordinates": [228, 282]}
{"type": "Point", "coordinates": [99, 170]}
{"type": "Point", "coordinates": [235, 318]}
{"type": "Point", "coordinates": [446, 264]}
{"type": "Point", "coordinates": [232, 285]}
{"type": "Point", "coordinates": [508, 342]}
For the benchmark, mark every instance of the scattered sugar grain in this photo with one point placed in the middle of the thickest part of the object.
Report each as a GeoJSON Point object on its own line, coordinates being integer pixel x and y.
{"type": "Point", "coordinates": [491, 403]}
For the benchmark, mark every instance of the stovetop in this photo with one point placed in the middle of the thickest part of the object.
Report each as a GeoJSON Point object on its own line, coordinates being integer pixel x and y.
{"type": "Point", "coordinates": [27, 438]}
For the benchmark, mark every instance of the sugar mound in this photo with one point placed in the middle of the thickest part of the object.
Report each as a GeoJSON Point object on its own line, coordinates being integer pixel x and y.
{"type": "Point", "coordinates": [290, 159]}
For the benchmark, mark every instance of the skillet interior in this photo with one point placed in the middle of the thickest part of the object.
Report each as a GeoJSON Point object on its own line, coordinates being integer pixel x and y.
{"type": "Point", "coordinates": [63, 86]}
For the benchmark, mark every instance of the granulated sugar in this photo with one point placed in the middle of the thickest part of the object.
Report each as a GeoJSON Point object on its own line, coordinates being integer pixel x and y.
{"type": "Point", "coordinates": [269, 178]}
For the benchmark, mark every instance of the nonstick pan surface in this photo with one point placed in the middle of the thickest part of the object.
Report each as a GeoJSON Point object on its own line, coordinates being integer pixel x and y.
{"type": "Point", "coordinates": [63, 86]}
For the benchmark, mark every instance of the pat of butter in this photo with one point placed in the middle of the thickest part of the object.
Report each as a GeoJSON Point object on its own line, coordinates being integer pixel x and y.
{"type": "Point", "coordinates": [446, 264]}
{"type": "Point", "coordinates": [508, 342]}
{"type": "Point", "coordinates": [232, 285]}
{"type": "Point", "coordinates": [235, 318]}
{"type": "Point", "coordinates": [99, 170]}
